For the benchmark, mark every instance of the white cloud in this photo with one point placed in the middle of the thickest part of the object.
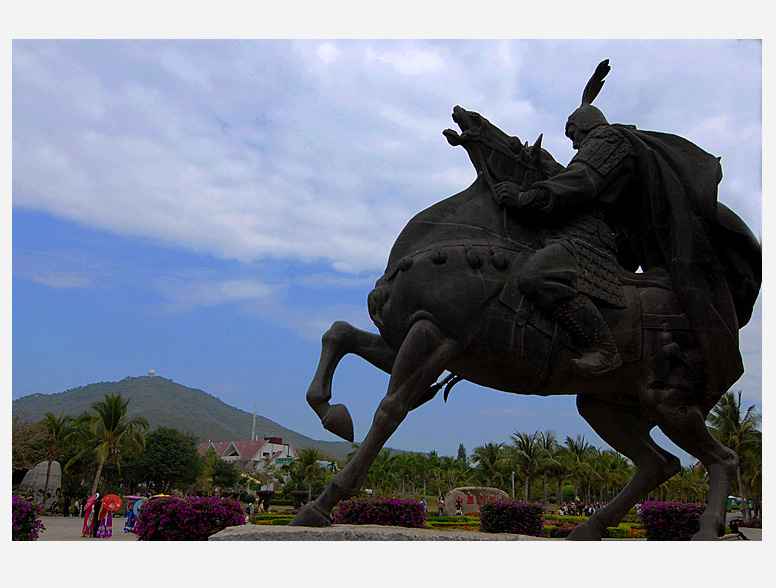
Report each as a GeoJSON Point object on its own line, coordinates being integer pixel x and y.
{"type": "Point", "coordinates": [316, 150]}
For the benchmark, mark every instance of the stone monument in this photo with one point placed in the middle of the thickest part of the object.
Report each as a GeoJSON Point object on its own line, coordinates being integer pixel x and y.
{"type": "Point", "coordinates": [527, 282]}
{"type": "Point", "coordinates": [471, 498]}
{"type": "Point", "coordinates": [34, 482]}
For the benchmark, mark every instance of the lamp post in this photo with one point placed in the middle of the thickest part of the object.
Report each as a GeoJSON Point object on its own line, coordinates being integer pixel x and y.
{"type": "Point", "coordinates": [513, 485]}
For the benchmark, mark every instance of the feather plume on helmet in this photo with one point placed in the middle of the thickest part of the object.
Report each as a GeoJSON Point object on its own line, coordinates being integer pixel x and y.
{"type": "Point", "coordinates": [587, 116]}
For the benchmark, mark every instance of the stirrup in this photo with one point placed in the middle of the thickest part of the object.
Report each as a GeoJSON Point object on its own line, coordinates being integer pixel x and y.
{"type": "Point", "coordinates": [596, 363]}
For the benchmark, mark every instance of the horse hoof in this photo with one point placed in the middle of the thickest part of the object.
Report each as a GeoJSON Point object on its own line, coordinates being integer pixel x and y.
{"type": "Point", "coordinates": [584, 532]}
{"type": "Point", "coordinates": [310, 516]}
{"type": "Point", "coordinates": [337, 420]}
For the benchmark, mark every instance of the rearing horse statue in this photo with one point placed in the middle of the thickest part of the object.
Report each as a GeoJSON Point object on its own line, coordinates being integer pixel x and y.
{"type": "Point", "coordinates": [449, 301]}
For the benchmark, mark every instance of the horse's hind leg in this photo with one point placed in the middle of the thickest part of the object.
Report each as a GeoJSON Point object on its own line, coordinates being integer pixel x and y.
{"type": "Point", "coordinates": [343, 338]}
{"type": "Point", "coordinates": [422, 358]}
{"type": "Point", "coordinates": [680, 418]}
{"type": "Point", "coordinates": [630, 436]}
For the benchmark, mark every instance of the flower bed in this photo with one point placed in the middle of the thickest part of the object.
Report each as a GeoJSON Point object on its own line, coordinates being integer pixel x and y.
{"type": "Point", "coordinates": [512, 516]}
{"type": "Point", "coordinates": [25, 520]}
{"type": "Point", "coordinates": [459, 523]}
{"type": "Point", "coordinates": [668, 521]}
{"type": "Point", "coordinates": [171, 518]}
{"type": "Point", "coordinates": [271, 519]}
{"type": "Point", "coordinates": [380, 511]}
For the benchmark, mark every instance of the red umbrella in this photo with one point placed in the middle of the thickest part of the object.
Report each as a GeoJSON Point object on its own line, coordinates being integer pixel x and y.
{"type": "Point", "coordinates": [111, 502]}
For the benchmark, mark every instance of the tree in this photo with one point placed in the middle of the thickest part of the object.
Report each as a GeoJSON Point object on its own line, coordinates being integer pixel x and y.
{"type": "Point", "coordinates": [578, 453]}
{"type": "Point", "coordinates": [58, 432]}
{"type": "Point", "coordinates": [461, 452]}
{"type": "Point", "coordinates": [487, 461]}
{"type": "Point", "coordinates": [27, 442]}
{"type": "Point", "coordinates": [526, 456]}
{"type": "Point", "coordinates": [306, 464]}
{"type": "Point", "coordinates": [109, 434]}
{"type": "Point", "coordinates": [737, 432]}
{"type": "Point", "coordinates": [403, 465]}
{"type": "Point", "coordinates": [169, 460]}
{"type": "Point", "coordinates": [548, 441]}
{"type": "Point", "coordinates": [379, 472]}
{"type": "Point", "coordinates": [221, 473]}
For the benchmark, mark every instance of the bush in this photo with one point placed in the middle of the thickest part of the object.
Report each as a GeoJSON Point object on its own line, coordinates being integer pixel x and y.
{"type": "Point", "coordinates": [26, 522]}
{"type": "Point", "coordinates": [271, 519]}
{"type": "Point", "coordinates": [512, 516]}
{"type": "Point", "coordinates": [667, 521]}
{"type": "Point", "coordinates": [380, 511]}
{"type": "Point", "coordinates": [462, 523]}
{"type": "Point", "coordinates": [171, 518]}
{"type": "Point", "coordinates": [560, 529]}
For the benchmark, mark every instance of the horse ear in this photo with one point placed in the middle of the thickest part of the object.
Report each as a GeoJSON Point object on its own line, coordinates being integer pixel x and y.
{"type": "Point", "coordinates": [536, 150]}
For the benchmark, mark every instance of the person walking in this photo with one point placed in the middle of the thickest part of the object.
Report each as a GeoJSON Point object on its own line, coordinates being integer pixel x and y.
{"type": "Point", "coordinates": [441, 506]}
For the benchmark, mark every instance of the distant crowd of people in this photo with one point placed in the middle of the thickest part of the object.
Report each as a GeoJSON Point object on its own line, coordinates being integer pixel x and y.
{"type": "Point", "coordinates": [580, 509]}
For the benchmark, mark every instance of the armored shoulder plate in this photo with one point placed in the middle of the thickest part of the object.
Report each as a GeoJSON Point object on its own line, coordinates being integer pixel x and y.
{"type": "Point", "coordinates": [603, 149]}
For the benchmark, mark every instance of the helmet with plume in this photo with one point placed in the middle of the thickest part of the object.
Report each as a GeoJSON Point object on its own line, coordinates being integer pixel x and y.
{"type": "Point", "coordinates": [587, 116]}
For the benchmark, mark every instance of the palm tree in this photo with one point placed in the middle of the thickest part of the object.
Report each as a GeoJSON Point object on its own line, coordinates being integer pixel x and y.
{"type": "Point", "coordinates": [306, 464]}
{"type": "Point", "coordinates": [527, 457]}
{"type": "Point", "coordinates": [614, 470]}
{"type": "Point", "coordinates": [379, 472]}
{"type": "Point", "coordinates": [736, 432]}
{"type": "Point", "coordinates": [578, 460]}
{"type": "Point", "coordinates": [58, 432]}
{"type": "Point", "coordinates": [487, 461]}
{"type": "Point", "coordinates": [548, 441]}
{"type": "Point", "coordinates": [108, 433]}
{"type": "Point", "coordinates": [403, 465]}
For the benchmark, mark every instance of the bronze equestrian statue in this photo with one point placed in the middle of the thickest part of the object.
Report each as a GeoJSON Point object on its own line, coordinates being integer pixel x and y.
{"type": "Point", "coordinates": [527, 282]}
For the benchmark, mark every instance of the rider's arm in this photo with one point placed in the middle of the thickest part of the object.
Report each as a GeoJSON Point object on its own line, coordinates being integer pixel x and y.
{"type": "Point", "coordinates": [600, 170]}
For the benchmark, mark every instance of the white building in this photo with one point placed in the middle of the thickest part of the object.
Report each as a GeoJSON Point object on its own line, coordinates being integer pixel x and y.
{"type": "Point", "coordinates": [258, 456]}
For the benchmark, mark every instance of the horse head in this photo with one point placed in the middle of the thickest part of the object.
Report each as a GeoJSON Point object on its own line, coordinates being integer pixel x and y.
{"type": "Point", "coordinates": [495, 154]}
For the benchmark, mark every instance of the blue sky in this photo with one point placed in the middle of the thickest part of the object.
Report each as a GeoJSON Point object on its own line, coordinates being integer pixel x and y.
{"type": "Point", "coordinates": [207, 209]}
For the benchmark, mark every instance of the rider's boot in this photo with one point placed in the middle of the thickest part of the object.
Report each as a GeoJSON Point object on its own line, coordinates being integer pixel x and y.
{"type": "Point", "coordinates": [589, 330]}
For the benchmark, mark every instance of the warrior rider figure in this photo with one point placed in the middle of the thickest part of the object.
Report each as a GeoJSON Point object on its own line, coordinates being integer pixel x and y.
{"type": "Point", "coordinates": [638, 199]}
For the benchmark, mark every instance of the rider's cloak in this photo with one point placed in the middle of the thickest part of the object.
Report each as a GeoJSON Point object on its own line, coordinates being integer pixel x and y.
{"type": "Point", "coordinates": [666, 210]}
{"type": "Point", "coordinates": [713, 259]}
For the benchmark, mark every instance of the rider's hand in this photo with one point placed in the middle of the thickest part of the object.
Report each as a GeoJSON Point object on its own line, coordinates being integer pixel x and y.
{"type": "Point", "coordinates": [536, 200]}
{"type": "Point", "coordinates": [508, 194]}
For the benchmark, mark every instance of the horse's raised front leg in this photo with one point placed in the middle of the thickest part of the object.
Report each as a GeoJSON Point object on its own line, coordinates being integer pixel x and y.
{"type": "Point", "coordinates": [630, 436]}
{"type": "Point", "coordinates": [423, 356]}
{"type": "Point", "coordinates": [343, 338]}
{"type": "Point", "coordinates": [680, 418]}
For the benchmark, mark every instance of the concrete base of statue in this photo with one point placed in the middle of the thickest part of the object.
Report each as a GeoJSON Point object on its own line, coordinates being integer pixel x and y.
{"type": "Point", "coordinates": [357, 533]}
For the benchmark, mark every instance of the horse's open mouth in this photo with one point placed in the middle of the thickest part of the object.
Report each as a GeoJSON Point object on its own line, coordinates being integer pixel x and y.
{"type": "Point", "coordinates": [464, 119]}
{"type": "Point", "coordinates": [452, 137]}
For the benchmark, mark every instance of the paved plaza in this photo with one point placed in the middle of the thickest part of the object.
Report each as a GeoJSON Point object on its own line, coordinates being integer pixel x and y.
{"type": "Point", "coordinates": [69, 529]}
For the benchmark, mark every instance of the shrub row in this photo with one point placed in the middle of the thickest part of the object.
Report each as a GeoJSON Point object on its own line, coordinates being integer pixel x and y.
{"type": "Point", "coordinates": [271, 519]}
{"type": "Point", "coordinates": [380, 511]}
{"type": "Point", "coordinates": [171, 518]}
{"type": "Point", "coordinates": [670, 521]}
{"type": "Point", "coordinates": [512, 516]}
{"type": "Point", "coordinates": [26, 523]}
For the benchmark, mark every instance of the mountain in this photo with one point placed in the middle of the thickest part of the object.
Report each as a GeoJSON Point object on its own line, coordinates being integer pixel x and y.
{"type": "Point", "coordinates": [163, 403]}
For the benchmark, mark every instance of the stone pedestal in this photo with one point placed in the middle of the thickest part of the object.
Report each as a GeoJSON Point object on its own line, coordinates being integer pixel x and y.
{"type": "Point", "coordinates": [356, 533]}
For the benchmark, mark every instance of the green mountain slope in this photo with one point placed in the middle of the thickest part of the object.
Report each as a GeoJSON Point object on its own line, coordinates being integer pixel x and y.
{"type": "Point", "coordinates": [163, 403]}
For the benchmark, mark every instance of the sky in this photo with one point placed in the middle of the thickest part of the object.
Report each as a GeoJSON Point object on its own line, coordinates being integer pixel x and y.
{"type": "Point", "coordinates": [207, 208]}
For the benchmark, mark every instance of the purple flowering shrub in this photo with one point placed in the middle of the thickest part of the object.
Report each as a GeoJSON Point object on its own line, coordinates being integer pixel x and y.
{"type": "Point", "coordinates": [559, 529]}
{"type": "Point", "coordinates": [669, 521]}
{"type": "Point", "coordinates": [380, 511]}
{"type": "Point", "coordinates": [512, 516]}
{"type": "Point", "coordinates": [171, 518]}
{"type": "Point", "coordinates": [26, 523]}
